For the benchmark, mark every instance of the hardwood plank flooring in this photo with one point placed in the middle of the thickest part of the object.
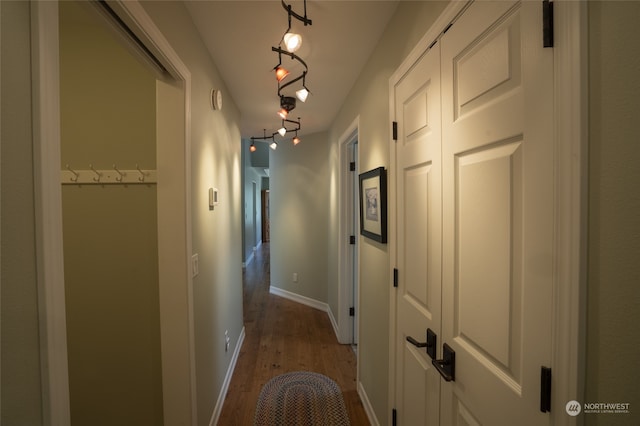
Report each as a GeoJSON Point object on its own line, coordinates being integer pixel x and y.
{"type": "Point", "coordinates": [283, 336]}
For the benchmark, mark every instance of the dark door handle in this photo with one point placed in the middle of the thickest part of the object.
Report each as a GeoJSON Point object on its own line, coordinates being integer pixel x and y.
{"type": "Point", "coordinates": [430, 344]}
{"type": "Point", "coordinates": [447, 365]}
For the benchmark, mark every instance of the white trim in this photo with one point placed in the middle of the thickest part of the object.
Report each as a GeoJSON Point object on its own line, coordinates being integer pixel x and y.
{"type": "Point", "coordinates": [299, 298]}
{"type": "Point", "coordinates": [571, 103]}
{"type": "Point", "coordinates": [345, 290]}
{"type": "Point", "coordinates": [334, 323]}
{"type": "Point", "coordinates": [366, 404]}
{"type": "Point", "coordinates": [227, 380]}
{"type": "Point", "coordinates": [249, 260]}
{"type": "Point", "coordinates": [48, 214]}
{"type": "Point", "coordinates": [448, 15]}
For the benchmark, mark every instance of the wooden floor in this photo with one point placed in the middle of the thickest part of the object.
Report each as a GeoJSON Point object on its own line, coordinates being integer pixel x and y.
{"type": "Point", "coordinates": [283, 336]}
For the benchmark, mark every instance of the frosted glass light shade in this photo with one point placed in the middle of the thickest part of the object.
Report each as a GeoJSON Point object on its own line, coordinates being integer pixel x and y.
{"type": "Point", "coordinates": [292, 42]}
{"type": "Point", "coordinates": [302, 94]}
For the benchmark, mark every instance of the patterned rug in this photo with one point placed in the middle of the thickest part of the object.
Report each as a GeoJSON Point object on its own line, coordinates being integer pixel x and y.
{"type": "Point", "coordinates": [301, 398]}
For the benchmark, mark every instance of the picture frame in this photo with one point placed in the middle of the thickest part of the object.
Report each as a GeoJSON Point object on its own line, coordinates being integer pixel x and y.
{"type": "Point", "coordinates": [373, 204]}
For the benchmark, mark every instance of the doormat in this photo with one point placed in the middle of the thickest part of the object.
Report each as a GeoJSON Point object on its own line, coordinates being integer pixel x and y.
{"type": "Point", "coordinates": [301, 398]}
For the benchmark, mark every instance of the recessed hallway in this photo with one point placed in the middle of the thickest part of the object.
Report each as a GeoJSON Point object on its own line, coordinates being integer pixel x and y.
{"type": "Point", "coordinates": [283, 336]}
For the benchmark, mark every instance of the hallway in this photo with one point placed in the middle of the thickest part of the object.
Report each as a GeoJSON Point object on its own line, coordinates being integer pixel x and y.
{"type": "Point", "coordinates": [283, 336]}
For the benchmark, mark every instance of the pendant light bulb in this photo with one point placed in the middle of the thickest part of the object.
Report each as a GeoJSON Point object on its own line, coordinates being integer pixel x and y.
{"type": "Point", "coordinates": [292, 41]}
{"type": "Point", "coordinates": [296, 140]}
{"type": "Point", "coordinates": [273, 145]}
{"type": "Point", "coordinates": [282, 130]}
{"type": "Point", "coordinates": [252, 148]}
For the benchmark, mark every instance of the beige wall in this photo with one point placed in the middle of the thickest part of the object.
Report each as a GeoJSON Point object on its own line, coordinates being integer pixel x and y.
{"type": "Point", "coordinates": [614, 210]}
{"type": "Point", "coordinates": [217, 234]}
{"type": "Point", "coordinates": [20, 358]}
{"type": "Point", "coordinates": [299, 199]}
{"type": "Point", "coordinates": [369, 100]}
{"type": "Point", "coordinates": [107, 103]}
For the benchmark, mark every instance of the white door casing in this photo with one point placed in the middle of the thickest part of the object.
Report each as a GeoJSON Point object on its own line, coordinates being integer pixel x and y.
{"type": "Point", "coordinates": [497, 213]}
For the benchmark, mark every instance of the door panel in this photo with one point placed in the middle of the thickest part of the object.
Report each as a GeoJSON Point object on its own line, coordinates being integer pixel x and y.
{"type": "Point", "coordinates": [497, 213]}
{"type": "Point", "coordinates": [418, 165]}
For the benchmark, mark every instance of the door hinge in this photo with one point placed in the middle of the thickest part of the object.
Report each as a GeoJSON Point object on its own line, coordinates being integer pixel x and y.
{"type": "Point", "coordinates": [352, 311]}
{"type": "Point", "coordinates": [545, 389]}
{"type": "Point", "coordinates": [395, 277]}
{"type": "Point", "coordinates": [547, 23]}
{"type": "Point", "coordinates": [352, 166]}
{"type": "Point", "coordinates": [395, 131]}
{"type": "Point", "coordinates": [394, 417]}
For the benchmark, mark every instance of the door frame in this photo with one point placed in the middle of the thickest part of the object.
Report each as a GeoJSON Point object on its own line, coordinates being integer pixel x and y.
{"type": "Point", "coordinates": [176, 320]}
{"type": "Point", "coordinates": [570, 183]}
{"type": "Point", "coordinates": [345, 261]}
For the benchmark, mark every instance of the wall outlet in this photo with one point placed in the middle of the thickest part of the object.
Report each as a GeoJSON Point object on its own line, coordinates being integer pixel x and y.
{"type": "Point", "coordinates": [195, 267]}
{"type": "Point", "coordinates": [295, 277]}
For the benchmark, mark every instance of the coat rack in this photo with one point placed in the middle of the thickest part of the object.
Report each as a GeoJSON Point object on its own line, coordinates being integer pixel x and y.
{"type": "Point", "coordinates": [114, 175]}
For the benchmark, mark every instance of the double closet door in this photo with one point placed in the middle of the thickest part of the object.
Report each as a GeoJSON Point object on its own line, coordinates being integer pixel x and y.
{"type": "Point", "coordinates": [474, 222]}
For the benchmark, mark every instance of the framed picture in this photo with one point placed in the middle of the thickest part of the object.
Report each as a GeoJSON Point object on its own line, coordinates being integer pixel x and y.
{"type": "Point", "coordinates": [373, 204]}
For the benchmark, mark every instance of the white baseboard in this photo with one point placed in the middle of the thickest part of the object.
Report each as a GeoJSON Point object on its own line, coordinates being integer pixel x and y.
{"type": "Point", "coordinates": [227, 380]}
{"type": "Point", "coordinates": [367, 405]}
{"type": "Point", "coordinates": [300, 299]}
{"type": "Point", "coordinates": [334, 323]}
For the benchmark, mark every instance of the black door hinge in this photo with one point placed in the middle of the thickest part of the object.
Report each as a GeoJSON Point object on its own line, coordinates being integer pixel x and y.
{"type": "Point", "coordinates": [395, 277]}
{"type": "Point", "coordinates": [395, 130]}
{"type": "Point", "coordinates": [545, 389]}
{"type": "Point", "coordinates": [352, 239]}
{"type": "Point", "coordinates": [352, 166]}
{"type": "Point", "coordinates": [352, 311]}
{"type": "Point", "coordinates": [394, 417]}
{"type": "Point", "coordinates": [547, 23]}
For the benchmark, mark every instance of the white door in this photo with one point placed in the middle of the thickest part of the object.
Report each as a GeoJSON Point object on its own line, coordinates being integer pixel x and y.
{"type": "Point", "coordinates": [497, 107]}
{"type": "Point", "coordinates": [474, 221]}
{"type": "Point", "coordinates": [418, 207]}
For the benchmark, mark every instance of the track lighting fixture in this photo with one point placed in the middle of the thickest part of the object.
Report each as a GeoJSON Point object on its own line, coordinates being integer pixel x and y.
{"type": "Point", "coordinates": [282, 132]}
{"type": "Point", "coordinates": [291, 42]}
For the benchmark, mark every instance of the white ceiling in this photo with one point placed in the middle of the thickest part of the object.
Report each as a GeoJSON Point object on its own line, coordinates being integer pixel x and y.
{"type": "Point", "coordinates": [240, 34]}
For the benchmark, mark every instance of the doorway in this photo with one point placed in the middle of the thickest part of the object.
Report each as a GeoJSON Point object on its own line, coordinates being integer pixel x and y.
{"type": "Point", "coordinates": [348, 297]}
{"type": "Point", "coordinates": [173, 212]}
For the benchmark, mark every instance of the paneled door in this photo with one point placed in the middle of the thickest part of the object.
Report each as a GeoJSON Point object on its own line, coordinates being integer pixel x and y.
{"type": "Point", "coordinates": [419, 225]}
{"type": "Point", "coordinates": [497, 213]}
{"type": "Point", "coordinates": [474, 221]}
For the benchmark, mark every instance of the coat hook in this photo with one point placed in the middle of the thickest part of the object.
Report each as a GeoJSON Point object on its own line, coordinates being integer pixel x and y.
{"type": "Point", "coordinates": [76, 174]}
{"type": "Point", "coordinates": [122, 174]}
{"type": "Point", "coordinates": [142, 174]}
{"type": "Point", "coordinates": [99, 175]}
